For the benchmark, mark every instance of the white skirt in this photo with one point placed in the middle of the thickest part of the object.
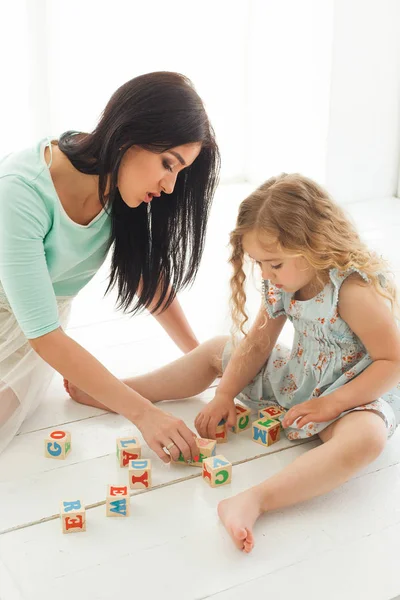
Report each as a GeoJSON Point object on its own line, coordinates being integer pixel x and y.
{"type": "Point", "coordinates": [24, 376]}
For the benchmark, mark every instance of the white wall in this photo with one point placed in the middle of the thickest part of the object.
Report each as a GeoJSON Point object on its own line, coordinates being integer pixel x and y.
{"type": "Point", "coordinates": [363, 151]}
{"type": "Point", "coordinates": [290, 56]}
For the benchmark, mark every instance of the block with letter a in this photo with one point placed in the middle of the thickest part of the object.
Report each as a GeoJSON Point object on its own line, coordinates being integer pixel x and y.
{"type": "Point", "coordinates": [128, 449]}
{"type": "Point", "coordinates": [266, 431]}
{"type": "Point", "coordinates": [217, 470]}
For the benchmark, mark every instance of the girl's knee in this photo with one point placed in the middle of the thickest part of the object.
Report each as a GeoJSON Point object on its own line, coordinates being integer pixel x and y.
{"type": "Point", "coordinates": [371, 434]}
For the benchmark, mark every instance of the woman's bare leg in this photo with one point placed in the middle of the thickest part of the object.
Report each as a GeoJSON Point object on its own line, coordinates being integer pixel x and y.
{"type": "Point", "coordinates": [350, 443]}
{"type": "Point", "coordinates": [184, 377]}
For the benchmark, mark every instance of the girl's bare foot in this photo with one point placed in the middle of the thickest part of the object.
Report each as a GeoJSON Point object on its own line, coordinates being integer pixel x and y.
{"type": "Point", "coordinates": [238, 515]}
{"type": "Point", "coordinates": [81, 397]}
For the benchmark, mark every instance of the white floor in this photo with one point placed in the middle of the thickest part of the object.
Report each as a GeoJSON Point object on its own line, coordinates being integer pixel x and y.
{"type": "Point", "coordinates": [345, 545]}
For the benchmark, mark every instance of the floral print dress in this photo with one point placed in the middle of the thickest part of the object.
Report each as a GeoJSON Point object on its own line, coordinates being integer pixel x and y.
{"type": "Point", "coordinates": [325, 355]}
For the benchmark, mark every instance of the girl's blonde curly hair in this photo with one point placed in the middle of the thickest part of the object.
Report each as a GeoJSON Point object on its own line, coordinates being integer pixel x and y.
{"type": "Point", "coordinates": [300, 217]}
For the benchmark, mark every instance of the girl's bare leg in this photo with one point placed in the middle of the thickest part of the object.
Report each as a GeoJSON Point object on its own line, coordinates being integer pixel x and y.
{"type": "Point", "coordinates": [350, 443]}
{"type": "Point", "coordinates": [185, 377]}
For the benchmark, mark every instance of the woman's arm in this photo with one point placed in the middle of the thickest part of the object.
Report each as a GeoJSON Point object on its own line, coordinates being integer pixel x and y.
{"type": "Point", "coordinates": [81, 368]}
{"type": "Point", "coordinates": [174, 322]}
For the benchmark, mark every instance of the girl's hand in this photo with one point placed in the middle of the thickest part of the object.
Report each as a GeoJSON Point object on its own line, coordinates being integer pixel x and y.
{"type": "Point", "coordinates": [160, 430]}
{"type": "Point", "coordinates": [221, 407]}
{"type": "Point", "coordinates": [317, 410]}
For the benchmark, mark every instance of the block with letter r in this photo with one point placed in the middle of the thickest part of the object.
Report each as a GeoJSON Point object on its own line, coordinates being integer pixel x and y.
{"type": "Point", "coordinates": [73, 516]}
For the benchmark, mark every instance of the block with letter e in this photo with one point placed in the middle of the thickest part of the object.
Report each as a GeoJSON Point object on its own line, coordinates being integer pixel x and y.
{"type": "Point", "coordinates": [57, 444]}
{"type": "Point", "coordinates": [271, 412]}
{"type": "Point", "coordinates": [266, 431]}
{"type": "Point", "coordinates": [118, 501]}
{"type": "Point", "coordinates": [73, 516]}
{"type": "Point", "coordinates": [217, 470]}
{"type": "Point", "coordinates": [128, 449]}
{"type": "Point", "coordinates": [140, 474]}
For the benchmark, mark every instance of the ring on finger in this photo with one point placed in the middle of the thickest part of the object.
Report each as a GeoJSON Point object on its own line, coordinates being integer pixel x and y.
{"type": "Point", "coordinates": [170, 446]}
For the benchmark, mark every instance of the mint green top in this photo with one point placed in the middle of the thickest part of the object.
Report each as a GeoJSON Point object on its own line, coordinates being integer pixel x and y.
{"type": "Point", "coordinates": [43, 253]}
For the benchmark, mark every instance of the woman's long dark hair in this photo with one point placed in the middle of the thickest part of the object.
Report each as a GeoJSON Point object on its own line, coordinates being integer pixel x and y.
{"type": "Point", "coordinates": [156, 246]}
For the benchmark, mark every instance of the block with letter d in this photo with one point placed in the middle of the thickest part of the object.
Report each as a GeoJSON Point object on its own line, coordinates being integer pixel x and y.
{"type": "Point", "coordinates": [128, 449]}
{"type": "Point", "coordinates": [118, 501]}
{"type": "Point", "coordinates": [140, 474]}
{"type": "Point", "coordinates": [266, 431]}
{"type": "Point", "coordinates": [242, 418]}
{"type": "Point", "coordinates": [217, 470]}
{"type": "Point", "coordinates": [57, 444]}
{"type": "Point", "coordinates": [73, 516]}
{"type": "Point", "coordinates": [271, 412]}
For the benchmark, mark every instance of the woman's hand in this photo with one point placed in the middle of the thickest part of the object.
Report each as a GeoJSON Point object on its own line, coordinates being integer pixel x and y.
{"type": "Point", "coordinates": [317, 410]}
{"type": "Point", "coordinates": [160, 430]}
{"type": "Point", "coordinates": [221, 407]}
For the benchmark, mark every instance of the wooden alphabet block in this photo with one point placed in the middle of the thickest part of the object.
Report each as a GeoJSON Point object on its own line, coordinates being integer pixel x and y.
{"type": "Point", "coordinates": [73, 516]}
{"type": "Point", "coordinates": [266, 431]}
{"type": "Point", "coordinates": [128, 449]}
{"type": "Point", "coordinates": [242, 419]}
{"type": "Point", "coordinates": [140, 474]}
{"type": "Point", "coordinates": [271, 412]}
{"type": "Point", "coordinates": [220, 432]}
{"type": "Point", "coordinates": [206, 449]}
{"type": "Point", "coordinates": [217, 470]}
{"type": "Point", "coordinates": [118, 501]}
{"type": "Point", "coordinates": [57, 444]}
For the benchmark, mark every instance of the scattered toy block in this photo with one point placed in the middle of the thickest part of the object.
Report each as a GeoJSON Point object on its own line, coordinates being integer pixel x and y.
{"type": "Point", "coordinates": [140, 474]}
{"type": "Point", "coordinates": [128, 449]}
{"type": "Point", "coordinates": [217, 470]}
{"type": "Point", "coordinates": [206, 449]}
{"type": "Point", "coordinates": [271, 412]}
{"type": "Point", "coordinates": [118, 501]}
{"type": "Point", "coordinates": [266, 431]}
{"type": "Point", "coordinates": [73, 516]}
{"type": "Point", "coordinates": [57, 444]}
{"type": "Point", "coordinates": [242, 419]}
{"type": "Point", "coordinates": [221, 435]}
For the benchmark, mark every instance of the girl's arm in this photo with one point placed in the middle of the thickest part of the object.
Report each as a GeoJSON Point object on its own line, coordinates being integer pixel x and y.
{"type": "Point", "coordinates": [366, 313]}
{"type": "Point", "coordinates": [251, 354]}
{"type": "Point", "coordinates": [246, 361]}
{"type": "Point", "coordinates": [368, 316]}
{"type": "Point", "coordinates": [81, 368]}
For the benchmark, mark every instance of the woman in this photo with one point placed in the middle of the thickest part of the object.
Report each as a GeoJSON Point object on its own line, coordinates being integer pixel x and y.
{"type": "Point", "coordinates": [141, 183]}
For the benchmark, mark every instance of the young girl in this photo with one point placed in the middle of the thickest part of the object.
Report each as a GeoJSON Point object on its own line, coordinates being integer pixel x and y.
{"type": "Point", "coordinates": [338, 381]}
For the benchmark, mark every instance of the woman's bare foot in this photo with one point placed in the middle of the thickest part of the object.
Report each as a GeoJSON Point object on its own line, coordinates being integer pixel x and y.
{"type": "Point", "coordinates": [81, 397]}
{"type": "Point", "coordinates": [238, 515]}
